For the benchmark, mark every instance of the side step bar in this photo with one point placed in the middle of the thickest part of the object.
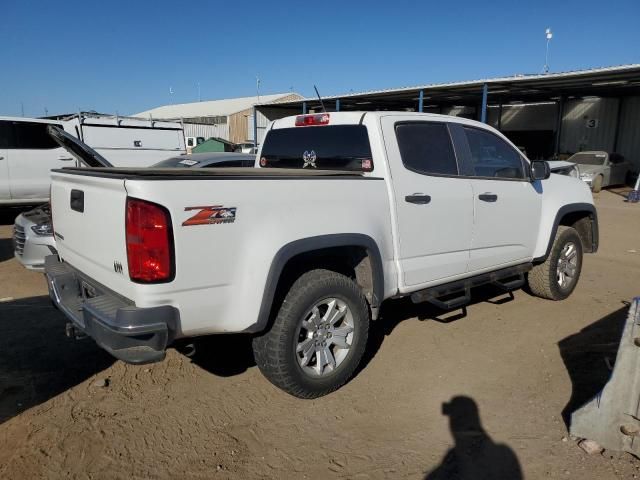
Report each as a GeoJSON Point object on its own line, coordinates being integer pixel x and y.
{"type": "Point", "coordinates": [456, 294]}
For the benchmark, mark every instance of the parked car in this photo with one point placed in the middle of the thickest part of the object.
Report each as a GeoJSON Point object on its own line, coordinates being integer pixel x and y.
{"type": "Point", "coordinates": [208, 160]}
{"type": "Point", "coordinates": [346, 210]}
{"type": "Point", "coordinates": [33, 237]}
{"type": "Point", "coordinates": [601, 169]}
{"type": "Point", "coordinates": [33, 233]}
{"type": "Point", "coordinates": [246, 148]}
{"type": "Point", "coordinates": [27, 152]}
{"type": "Point", "coordinates": [562, 167]}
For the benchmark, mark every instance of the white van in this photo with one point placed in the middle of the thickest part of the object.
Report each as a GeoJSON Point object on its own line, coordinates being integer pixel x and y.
{"type": "Point", "coordinates": [27, 153]}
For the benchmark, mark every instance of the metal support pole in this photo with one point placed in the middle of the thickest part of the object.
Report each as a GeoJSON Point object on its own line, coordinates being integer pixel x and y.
{"type": "Point", "coordinates": [556, 148]}
{"type": "Point", "coordinates": [255, 127]}
{"type": "Point", "coordinates": [338, 105]}
{"type": "Point", "coordinates": [421, 101]}
{"type": "Point", "coordinates": [616, 135]}
{"type": "Point", "coordinates": [304, 108]}
{"type": "Point", "coordinates": [483, 108]}
{"type": "Point", "coordinates": [500, 116]}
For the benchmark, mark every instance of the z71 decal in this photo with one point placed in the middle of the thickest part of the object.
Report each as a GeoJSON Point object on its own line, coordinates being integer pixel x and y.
{"type": "Point", "coordinates": [210, 215]}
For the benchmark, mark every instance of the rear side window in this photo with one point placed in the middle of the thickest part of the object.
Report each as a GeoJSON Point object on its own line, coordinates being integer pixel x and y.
{"type": "Point", "coordinates": [425, 147]}
{"type": "Point", "coordinates": [493, 157]}
{"type": "Point", "coordinates": [337, 147]}
{"type": "Point", "coordinates": [32, 136]}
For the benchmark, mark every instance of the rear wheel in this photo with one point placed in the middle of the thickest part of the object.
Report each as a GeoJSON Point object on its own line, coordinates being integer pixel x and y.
{"type": "Point", "coordinates": [318, 337]}
{"type": "Point", "coordinates": [557, 277]}
{"type": "Point", "coordinates": [596, 186]}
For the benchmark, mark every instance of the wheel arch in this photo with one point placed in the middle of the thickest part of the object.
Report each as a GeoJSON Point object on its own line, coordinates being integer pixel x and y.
{"type": "Point", "coordinates": [581, 216]}
{"type": "Point", "coordinates": [363, 261]}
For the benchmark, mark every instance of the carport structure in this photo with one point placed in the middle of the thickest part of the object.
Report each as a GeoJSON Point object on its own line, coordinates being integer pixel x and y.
{"type": "Point", "coordinates": [562, 101]}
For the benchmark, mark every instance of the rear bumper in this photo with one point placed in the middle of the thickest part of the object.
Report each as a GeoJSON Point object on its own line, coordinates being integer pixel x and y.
{"type": "Point", "coordinates": [132, 334]}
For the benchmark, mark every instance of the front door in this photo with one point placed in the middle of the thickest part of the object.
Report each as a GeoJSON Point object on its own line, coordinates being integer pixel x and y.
{"type": "Point", "coordinates": [5, 131]}
{"type": "Point", "coordinates": [434, 205]}
{"type": "Point", "coordinates": [507, 204]}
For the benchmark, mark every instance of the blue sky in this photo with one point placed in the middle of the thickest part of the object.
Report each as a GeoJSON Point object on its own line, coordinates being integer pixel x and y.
{"type": "Point", "coordinates": [116, 56]}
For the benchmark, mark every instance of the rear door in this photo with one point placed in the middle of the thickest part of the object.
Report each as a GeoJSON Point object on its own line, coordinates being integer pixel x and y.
{"type": "Point", "coordinates": [31, 158]}
{"type": "Point", "coordinates": [434, 205]}
{"type": "Point", "coordinates": [507, 205]}
{"type": "Point", "coordinates": [5, 132]}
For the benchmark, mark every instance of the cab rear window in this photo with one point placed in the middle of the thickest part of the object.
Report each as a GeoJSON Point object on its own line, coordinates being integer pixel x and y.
{"type": "Point", "coordinates": [337, 147]}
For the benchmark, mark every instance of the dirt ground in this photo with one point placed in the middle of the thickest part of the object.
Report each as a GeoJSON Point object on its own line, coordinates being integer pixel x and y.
{"type": "Point", "coordinates": [513, 369]}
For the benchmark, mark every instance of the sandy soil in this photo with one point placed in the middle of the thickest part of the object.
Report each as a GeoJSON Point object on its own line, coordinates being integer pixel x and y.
{"type": "Point", "coordinates": [67, 409]}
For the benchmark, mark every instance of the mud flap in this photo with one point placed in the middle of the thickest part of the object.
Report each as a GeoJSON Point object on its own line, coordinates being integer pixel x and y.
{"type": "Point", "coordinates": [612, 418]}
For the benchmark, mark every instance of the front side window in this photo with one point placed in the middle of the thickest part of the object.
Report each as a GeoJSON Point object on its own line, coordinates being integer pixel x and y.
{"type": "Point", "coordinates": [492, 157]}
{"type": "Point", "coordinates": [32, 136]}
{"type": "Point", "coordinates": [425, 147]}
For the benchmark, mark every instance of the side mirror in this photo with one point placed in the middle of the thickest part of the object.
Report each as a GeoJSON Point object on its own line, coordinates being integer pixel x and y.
{"type": "Point", "coordinates": [540, 170]}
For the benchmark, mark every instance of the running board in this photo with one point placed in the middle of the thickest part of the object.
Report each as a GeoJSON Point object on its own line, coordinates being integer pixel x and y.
{"type": "Point", "coordinates": [508, 279]}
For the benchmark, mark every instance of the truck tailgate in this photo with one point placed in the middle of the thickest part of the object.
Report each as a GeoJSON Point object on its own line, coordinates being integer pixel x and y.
{"type": "Point", "coordinates": [89, 222]}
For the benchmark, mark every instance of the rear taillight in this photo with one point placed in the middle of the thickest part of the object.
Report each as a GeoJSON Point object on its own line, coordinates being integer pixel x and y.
{"type": "Point", "coordinates": [149, 242]}
{"type": "Point", "coordinates": [313, 119]}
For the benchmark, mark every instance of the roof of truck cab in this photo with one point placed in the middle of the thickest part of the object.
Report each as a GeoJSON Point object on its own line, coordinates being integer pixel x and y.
{"type": "Point", "coordinates": [358, 117]}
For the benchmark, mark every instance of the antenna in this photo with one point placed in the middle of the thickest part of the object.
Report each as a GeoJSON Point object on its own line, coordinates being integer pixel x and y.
{"type": "Point", "coordinates": [549, 36]}
{"type": "Point", "coordinates": [320, 98]}
{"type": "Point", "coordinates": [258, 88]}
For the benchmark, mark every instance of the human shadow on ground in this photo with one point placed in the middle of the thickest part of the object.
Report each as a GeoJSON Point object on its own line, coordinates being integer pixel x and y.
{"type": "Point", "coordinates": [232, 354]}
{"type": "Point", "coordinates": [37, 360]}
{"type": "Point", "coordinates": [588, 356]}
{"type": "Point", "coordinates": [474, 456]}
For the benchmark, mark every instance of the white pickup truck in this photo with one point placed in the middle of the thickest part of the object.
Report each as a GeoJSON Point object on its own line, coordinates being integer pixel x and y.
{"type": "Point", "coordinates": [343, 211]}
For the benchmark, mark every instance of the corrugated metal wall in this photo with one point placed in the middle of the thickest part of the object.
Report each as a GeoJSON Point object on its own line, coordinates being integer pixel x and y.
{"type": "Point", "coordinates": [531, 117]}
{"type": "Point", "coordinates": [589, 124]}
{"type": "Point", "coordinates": [238, 131]}
{"type": "Point", "coordinates": [206, 131]}
{"type": "Point", "coordinates": [629, 135]}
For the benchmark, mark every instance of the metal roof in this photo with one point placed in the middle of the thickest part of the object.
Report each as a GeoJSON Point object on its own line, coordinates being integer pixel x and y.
{"type": "Point", "coordinates": [211, 108]}
{"type": "Point", "coordinates": [536, 87]}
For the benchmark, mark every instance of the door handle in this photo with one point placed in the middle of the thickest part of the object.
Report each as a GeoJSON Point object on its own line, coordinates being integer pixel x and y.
{"type": "Point", "coordinates": [418, 198]}
{"type": "Point", "coordinates": [488, 197]}
{"type": "Point", "coordinates": [65, 159]}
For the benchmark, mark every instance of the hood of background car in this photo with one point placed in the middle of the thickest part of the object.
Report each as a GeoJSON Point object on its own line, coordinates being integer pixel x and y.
{"type": "Point", "coordinates": [589, 169]}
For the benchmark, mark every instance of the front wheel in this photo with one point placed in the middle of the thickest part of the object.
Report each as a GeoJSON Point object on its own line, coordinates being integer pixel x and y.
{"type": "Point", "coordinates": [318, 336]}
{"type": "Point", "coordinates": [557, 277]}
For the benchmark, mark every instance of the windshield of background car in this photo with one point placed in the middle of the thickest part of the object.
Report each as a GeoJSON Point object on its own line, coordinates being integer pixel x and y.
{"type": "Point", "coordinates": [336, 147]}
{"type": "Point", "coordinates": [588, 158]}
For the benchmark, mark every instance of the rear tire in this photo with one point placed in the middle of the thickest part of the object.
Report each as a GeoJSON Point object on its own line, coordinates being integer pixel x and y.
{"type": "Point", "coordinates": [557, 277]}
{"type": "Point", "coordinates": [597, 184]}
{"type": "Point", "coordinates": [318, 336]}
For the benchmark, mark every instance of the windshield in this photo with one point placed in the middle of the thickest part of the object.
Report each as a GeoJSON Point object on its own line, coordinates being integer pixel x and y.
{"type": "Point", "coordinates": [339, 147]}
{"type": "Point", "coordinates": [588, 158]}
